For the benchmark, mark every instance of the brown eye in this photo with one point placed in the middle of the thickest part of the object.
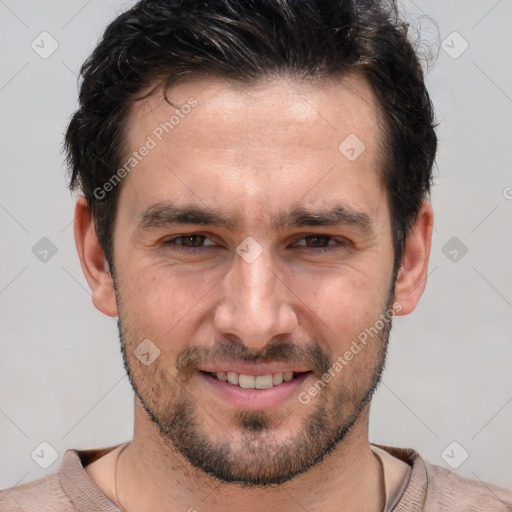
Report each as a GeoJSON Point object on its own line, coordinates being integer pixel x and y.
{"type": "Point", "coordinates": [321, 242]}
{"type": "Point", "coordinates": [317, 240]}
{"type": "Point", "coordinates": [189, 241]}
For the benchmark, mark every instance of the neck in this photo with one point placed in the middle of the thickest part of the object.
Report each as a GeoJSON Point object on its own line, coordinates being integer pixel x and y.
{"type": "Point", "coordinates": [149, 474]}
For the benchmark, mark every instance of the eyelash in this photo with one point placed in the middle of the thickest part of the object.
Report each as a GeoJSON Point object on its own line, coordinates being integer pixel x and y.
{"type": "Point", "coordinates": [177, 247]}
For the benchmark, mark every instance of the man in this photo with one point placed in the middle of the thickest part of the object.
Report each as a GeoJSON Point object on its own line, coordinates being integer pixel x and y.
{"type": "Point", "coordinates": [255, 179]}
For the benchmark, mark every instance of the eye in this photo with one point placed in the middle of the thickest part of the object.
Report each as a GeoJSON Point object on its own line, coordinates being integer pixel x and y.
{"type": "Point", "coordinates": [321, 242]}
{"type": "Point", "coordinates": [188, 242]}
{"type": "Point", "coordinates": [318, 242]}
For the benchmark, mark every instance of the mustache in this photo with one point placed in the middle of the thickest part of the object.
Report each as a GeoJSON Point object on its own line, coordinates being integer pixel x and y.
{"type": "Point", "coordinates": [312, 357]}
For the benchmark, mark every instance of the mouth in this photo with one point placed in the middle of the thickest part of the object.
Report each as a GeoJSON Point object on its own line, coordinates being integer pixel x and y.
{"type": "Point", "coordinates": [253, 392]}
{"type": "Point", "coordinates": [255, 381]}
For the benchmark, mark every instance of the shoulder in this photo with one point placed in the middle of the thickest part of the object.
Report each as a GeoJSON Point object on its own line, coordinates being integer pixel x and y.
{"type": "Point", "coordinates": [68, 489]}
{"type": "Point", "coordinates": [432, 488]}
{"type": "Point", "coordinates": [449, 491]}
{"type": "Point", "coordinates": [43, 495]}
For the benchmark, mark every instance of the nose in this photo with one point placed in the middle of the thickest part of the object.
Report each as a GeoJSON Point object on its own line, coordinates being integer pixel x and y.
{"type": "Point", "coordinates": [256, 304]}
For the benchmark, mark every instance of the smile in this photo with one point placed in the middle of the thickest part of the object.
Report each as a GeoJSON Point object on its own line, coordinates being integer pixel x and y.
{"type": "Point", "coordinates": [252, 381]}
{"type": "Point", "coordinates": [253, 392]}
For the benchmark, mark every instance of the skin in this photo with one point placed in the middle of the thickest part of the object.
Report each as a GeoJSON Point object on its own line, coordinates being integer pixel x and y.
{"type": "Point", "coordinates": [253, 152]}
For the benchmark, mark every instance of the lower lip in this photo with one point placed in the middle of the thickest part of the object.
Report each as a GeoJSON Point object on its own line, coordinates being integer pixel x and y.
{"type": "Point", "coordinates": [253, 399]}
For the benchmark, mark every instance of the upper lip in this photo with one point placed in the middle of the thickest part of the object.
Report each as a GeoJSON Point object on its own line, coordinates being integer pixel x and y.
{"type": "Point", "coordinates": [255, 369]}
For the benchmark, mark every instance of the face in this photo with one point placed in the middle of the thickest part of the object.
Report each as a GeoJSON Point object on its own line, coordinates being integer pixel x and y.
{"type": "Point", "coordinates": [248, 241]}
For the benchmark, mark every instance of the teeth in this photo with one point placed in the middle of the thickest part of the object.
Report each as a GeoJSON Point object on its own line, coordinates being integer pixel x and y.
{"type": "Point", "coordinates": [277, 378]}
{"type": "Point", "coordinates": [263, 382]}
{"type": "Point", "coordinates": [287, 376]}
{"type": "Point", "coordinates": [233, 378]}
{"type": "Point", "coordinates": [246, 381]}
{"type": "Point", "coordinates": [251, 382]}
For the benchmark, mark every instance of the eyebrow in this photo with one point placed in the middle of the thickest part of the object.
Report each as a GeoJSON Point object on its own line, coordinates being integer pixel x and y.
{"type": "Point", "coordinates": [166, 214]}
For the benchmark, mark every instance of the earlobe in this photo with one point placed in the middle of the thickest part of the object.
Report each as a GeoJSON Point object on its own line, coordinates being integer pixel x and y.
{"type": "Point", "coordinates": [92, 259]}
{"type": "Point", "coordinates": [412, 276]}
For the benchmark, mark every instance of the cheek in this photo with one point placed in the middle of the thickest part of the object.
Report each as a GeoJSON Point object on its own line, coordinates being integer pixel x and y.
{"type": "Point", "coordinates": [341, 305]}
{"type": "Point", "coordinates": [165, 304]}
{"type": "Point", "coordinates": [170, 305]}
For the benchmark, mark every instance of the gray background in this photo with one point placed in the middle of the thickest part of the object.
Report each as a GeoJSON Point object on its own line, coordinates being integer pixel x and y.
{"type": "Point", "coordinates": [449, 372]}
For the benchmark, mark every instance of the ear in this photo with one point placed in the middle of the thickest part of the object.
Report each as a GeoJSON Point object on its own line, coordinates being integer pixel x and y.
{"type": "Point", "coordinates": [92, 259]}
{"type": "Point", "coordinates": [412, 276]}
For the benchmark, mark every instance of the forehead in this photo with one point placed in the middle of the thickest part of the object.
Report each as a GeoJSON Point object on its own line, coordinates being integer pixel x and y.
{"type": "Point", "coordinates": [256, 146]}
{"type": "Point", "coordinates": [273, 111]}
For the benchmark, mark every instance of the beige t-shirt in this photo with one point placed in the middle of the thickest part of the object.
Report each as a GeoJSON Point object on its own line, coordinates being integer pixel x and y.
{"type": "Point", "coordinates": [396, 476]}
{"type": "Point", "coordinates": [423, 487]}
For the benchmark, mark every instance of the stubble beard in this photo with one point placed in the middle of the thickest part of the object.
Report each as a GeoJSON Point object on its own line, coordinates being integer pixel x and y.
{"type": "Point", "coordinates": [253, 455]}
